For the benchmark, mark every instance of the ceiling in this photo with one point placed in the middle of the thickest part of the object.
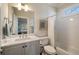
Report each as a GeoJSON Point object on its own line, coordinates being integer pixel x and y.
{"type": "Point", "coordinates": [56, 5]}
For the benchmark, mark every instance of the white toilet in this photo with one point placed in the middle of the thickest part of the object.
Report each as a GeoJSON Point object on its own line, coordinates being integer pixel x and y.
{"type": "Point", "coordinates": [48, 49]}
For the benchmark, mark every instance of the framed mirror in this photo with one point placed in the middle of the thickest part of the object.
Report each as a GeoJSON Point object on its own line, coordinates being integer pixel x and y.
{"type": "Point", "coordinates": [18, 22]}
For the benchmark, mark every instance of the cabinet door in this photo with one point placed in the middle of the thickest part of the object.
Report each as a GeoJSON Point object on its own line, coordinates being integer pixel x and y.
{"type": "Point", "coordinates": [33, 48]}
{"type": "Point", "coordinates": [14, 50]}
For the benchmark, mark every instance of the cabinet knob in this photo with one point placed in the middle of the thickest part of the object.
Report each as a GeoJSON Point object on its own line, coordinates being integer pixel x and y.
{"type": "Point", "coordinates": [25, 45]}
{"type": "Point", "coordinates": [22, 46]}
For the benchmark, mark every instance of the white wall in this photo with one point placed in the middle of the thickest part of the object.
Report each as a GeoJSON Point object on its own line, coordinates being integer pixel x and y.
{"type": "Point", "coordinates": [42, 12]}
{"type": "Point", "coordinates": [36, 21]}
{"type": "Point", "coordinates": [45, 11]}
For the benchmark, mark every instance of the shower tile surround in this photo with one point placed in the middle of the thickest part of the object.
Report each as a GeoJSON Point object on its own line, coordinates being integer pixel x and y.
{"type": "Point", "coordinates": [66, 30]}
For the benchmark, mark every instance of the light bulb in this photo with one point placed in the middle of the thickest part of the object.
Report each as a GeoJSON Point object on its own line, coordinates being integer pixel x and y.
{"type": "Point", "coordinates": [26, 8]}
{"type": "Point", "coordinates": [19, 6]}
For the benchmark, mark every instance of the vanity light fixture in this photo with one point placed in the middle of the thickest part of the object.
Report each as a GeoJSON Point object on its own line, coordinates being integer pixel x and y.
{"type": "Point", "coordinates": [25, 7]}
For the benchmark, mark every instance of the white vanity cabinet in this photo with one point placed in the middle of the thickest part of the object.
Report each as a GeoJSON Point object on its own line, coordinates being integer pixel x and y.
{"type": "Point", "coordinates": [29, 48]}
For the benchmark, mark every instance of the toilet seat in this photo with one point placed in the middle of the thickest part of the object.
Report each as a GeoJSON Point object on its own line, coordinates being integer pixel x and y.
{"type": "Point", "coordinates": [49, 49]}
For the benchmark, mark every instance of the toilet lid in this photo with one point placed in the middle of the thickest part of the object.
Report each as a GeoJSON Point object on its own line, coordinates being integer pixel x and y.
{"type": "Point", "coordinates": [49, 49]}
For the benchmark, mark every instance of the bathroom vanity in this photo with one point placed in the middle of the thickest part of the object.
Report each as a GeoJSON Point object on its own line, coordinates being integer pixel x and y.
{"type": "Point", "coordinates": [26, 46]}
{"type": "Point", "coordinates": [29, 48]}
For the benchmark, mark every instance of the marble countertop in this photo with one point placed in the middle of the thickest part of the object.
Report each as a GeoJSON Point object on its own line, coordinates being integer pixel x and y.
{"type": "Point", "coordinates": [10, 42]}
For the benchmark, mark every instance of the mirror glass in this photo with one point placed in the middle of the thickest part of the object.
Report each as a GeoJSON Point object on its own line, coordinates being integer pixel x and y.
{"type": "Point", "coordinates": [22, 26]}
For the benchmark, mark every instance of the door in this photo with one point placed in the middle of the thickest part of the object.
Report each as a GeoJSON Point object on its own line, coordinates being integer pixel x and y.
{"type": "Point", "coordinates": [32, 48]}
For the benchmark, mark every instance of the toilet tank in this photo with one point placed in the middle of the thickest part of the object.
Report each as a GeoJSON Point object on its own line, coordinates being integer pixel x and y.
{"type": "Point", "coordinates": [44, 42]}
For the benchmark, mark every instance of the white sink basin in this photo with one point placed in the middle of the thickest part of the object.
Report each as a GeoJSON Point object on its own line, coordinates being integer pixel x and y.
{"type": "Point", "coordinates": [27, 38]}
